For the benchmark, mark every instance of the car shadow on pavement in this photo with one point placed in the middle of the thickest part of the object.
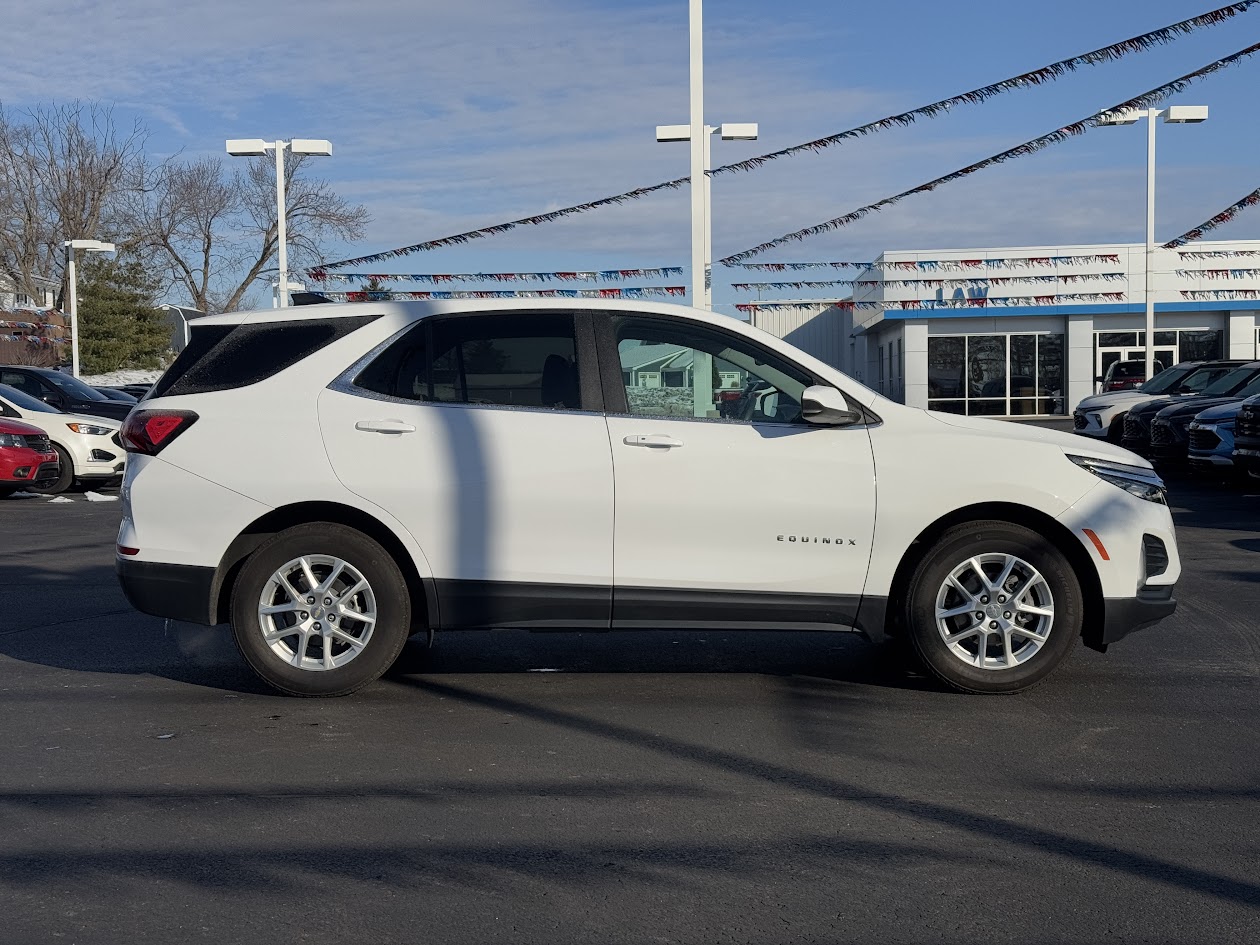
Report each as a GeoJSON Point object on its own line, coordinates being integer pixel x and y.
{"type": "Point", "coordinates": [54, 614]}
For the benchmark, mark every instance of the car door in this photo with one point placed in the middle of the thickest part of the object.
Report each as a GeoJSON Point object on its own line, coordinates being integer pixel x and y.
{"type": "Point", "coordinates": [730, 509]}
{"type": "Point", "coordinates": [483, 433]}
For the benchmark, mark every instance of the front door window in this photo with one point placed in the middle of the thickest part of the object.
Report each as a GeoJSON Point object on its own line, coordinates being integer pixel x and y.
{"type": "Point", "coordinates": [690, 371]}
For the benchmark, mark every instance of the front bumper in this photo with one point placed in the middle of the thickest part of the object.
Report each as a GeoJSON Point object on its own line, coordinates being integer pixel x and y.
{"type": "Point", "coordinates": [177, 591]}
{"type": "Point", "coordinates": [1124, 615]}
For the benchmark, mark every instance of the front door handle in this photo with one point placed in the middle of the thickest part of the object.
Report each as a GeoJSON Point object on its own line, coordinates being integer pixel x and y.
{"type": "Point", "coordinates": [384, 426]}
{"type": "Point", "coordinates": [653, 441]}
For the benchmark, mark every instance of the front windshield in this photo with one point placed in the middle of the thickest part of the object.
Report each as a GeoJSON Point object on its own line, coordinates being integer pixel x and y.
{"type": "Point", "coordinates": [1225, 386]}
{"type": "Point", "coordinates": [1203, 377]}
{"type": "Point", "coordinates": [1252, 388]}
{"type": "Point", "coordinates": [1165, 380]}
{"type": "Point", "coordinates": [73, 386]}
{"type": "Point", "coordinates": [25, 401]}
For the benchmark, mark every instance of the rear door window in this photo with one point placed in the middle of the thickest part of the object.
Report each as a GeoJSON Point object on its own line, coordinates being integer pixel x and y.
{"type": "Point", "coordinates": [504, 359]}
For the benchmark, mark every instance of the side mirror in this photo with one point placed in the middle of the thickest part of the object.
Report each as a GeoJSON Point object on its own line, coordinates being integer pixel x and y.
{"type": "Point", "coordinates": [826, 406]}
{"type": "Point", "coordinates": [1098, 379]}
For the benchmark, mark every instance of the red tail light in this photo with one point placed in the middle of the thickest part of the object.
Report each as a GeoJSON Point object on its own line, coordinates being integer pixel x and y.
{"type": "Point", "coordinates": [151, 431]}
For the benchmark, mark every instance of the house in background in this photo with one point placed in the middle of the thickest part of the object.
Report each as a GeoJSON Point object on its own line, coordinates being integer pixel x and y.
{"type": "Point", "coordinates": [14, 299]}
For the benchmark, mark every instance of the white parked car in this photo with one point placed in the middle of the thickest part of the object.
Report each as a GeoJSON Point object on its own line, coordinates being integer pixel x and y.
{"type": "Point", "coordinates": [1102, 415]}
{"type": "Point", "coordinates": [332, 478]}
{"type": "Point", "coordinates": [88, 448]}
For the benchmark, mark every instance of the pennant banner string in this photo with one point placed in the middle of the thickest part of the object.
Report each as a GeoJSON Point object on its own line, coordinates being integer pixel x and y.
{"type": "Point", "coordinates": [602, 275]}
{"type": "Point", "coordinates": [1010, 301]}
{"type": "Point", "coordinates": [975, 283]}
{"type": "Point", "coordinates": [624, 292]}
{"type": "Point", "coordinates": [1216, 253]}
{"type": "Point", "coordinates": [781, 267]}
{"type": "Point", "coordinates": [1212, 295]}
{"type": "Point", "coordinates": [945, 265]}
{"type": "Point", "coordinates": [1224, 216]}
{"type": "Point", "coordinates": [1040, 76]}
{"type": "Point", "coordinates": [1218, 273]}
{"type": "Point", "coordinates": [1145, 100]}
{"type": "Point", "coordinates": [1037, 77]}
{"type": "Point", "coordinates": [499, 228]}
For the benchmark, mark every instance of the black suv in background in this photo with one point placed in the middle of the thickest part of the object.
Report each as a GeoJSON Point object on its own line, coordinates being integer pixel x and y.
{"type": "Point", "coordinates": [63, 391]}
{"type": "Point", "coordinates": [1137, 424]}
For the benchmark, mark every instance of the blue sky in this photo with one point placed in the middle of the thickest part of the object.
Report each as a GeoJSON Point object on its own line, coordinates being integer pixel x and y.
{"type": "Point", "coordinates": [447, 117]}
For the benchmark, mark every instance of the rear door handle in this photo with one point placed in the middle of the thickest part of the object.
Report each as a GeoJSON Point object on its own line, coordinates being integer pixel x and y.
{"type": "Point", "coordinates": [384, 426]}
{"type": "Point", "coordinates": [653, 441]}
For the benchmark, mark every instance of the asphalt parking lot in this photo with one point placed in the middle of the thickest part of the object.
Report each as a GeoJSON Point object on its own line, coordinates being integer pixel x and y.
{"type": "Point", "coordinates": [654, 787]}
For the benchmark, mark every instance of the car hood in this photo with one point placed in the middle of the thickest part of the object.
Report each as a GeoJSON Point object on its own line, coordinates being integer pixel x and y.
{"type": "Point", "coordinates": [110, 409]}
{"type": "Point", "coordinates": [1222, 414]}
{"type": "Point", "coordinates": [1194, 406]}
{"type": "Point", "coordinates": [1114, 398]}
{"type": "Point", "coordinates": [1157, 404]}
{"type": "Point", "coordinates": [1068, 442]}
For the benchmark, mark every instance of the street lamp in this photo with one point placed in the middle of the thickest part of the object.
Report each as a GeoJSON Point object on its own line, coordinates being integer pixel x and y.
{"type": "Point", "coordinates": [257, 147]}
{"type": "Point", "coordinates": [697, 132]}
{"type": "Point", "coordinates": [91, 246]}
{"type": "Point", "coordinates": [1175, 115]}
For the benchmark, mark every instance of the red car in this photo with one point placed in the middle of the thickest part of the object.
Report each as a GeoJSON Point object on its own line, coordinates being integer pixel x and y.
{"type": "Point", "coordinates": [26, 457]}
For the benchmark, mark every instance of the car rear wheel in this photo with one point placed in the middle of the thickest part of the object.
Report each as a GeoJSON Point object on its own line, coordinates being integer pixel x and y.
{"type": "Point", "coordinates": [64, 480]}
{"type": "Point", "coordinates": [993, 608]}
{"type": "Point", "coordinates": [320, 610]}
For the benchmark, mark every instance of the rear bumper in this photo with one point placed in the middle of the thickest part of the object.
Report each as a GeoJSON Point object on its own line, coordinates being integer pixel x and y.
{"type": "Point", "coordinates": [1123, 615]}
{"type": "Point", "coordinates": [177, 591]}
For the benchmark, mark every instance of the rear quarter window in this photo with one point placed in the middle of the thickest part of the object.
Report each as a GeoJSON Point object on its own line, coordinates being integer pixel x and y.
{"type": "Point", "coordinates": [223, 357]}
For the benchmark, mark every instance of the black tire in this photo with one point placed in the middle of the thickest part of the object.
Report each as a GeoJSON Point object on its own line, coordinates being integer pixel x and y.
{"type": "Point", "coordinates": [63, 481]}
{"type": "Point", "coordinates": [374, 564]}
{"type": "Point", "coordinates": [954, 549]}
{"type": "Point", "coordinates": [1115, 432]}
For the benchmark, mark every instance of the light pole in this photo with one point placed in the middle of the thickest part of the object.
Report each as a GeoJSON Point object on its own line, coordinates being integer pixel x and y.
{"type": "Point", "coordinates": [698, 133]}
{"type": "Point", "coordinates": [91, 246]}
{"type": "Point", "coordinates": [257, 147]}
{"type": "Point", "coordinates": [1176, 115]}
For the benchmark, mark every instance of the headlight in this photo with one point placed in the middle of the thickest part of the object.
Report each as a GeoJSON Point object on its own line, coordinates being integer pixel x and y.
{"type": "Point", "coordinates": [91, 429]}
{"type": "Point", "coordinates": [1135, 480]}
{"type": "Point", "coordinates": [12, 439]}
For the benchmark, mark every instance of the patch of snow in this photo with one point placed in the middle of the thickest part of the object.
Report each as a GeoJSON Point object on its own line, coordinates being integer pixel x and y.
{"type": "Point", "coordinates": [24, 495]}
{"type": "Point", "coordinates": [97, 497]}
{"type": "Point", "coordinates": [118, 378]}
{"type": "Point", "coordinates": [58, 499]}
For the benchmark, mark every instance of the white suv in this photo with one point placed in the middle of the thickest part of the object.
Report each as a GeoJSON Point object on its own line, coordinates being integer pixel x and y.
{"type": "Point", "coordinates": [333, 478]}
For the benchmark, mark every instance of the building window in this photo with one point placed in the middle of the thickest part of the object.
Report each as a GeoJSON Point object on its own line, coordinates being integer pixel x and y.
{"type": "Point", "coordinates": [881, 369]}
{"type": "Point", "coordinates": [996, 375]}
{"type": "Point", "coordinates": [1181, 344]}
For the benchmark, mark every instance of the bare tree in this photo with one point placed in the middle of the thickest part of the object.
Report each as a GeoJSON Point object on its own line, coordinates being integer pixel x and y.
{"type": "Point", "coordinates": [62, 168]}
{"type": "Point", "coordinates": [212, 231]}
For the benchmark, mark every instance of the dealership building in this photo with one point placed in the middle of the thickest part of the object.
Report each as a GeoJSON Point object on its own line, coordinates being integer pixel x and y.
{"type": "Point", "coordinates": [1026, 331]}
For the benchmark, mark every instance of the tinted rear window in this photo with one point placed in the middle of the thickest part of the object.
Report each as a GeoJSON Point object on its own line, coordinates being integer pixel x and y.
{"type": "Point", "coordinates": [223, 357]}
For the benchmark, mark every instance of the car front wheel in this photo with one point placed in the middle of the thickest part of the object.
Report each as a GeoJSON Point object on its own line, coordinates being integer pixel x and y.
{"type": "Point", "coordinates": [64, 480]}
{"type": "Point", "coordinates": [320, 610]}
{"type": "Point", "coordinates": [993, 607]}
